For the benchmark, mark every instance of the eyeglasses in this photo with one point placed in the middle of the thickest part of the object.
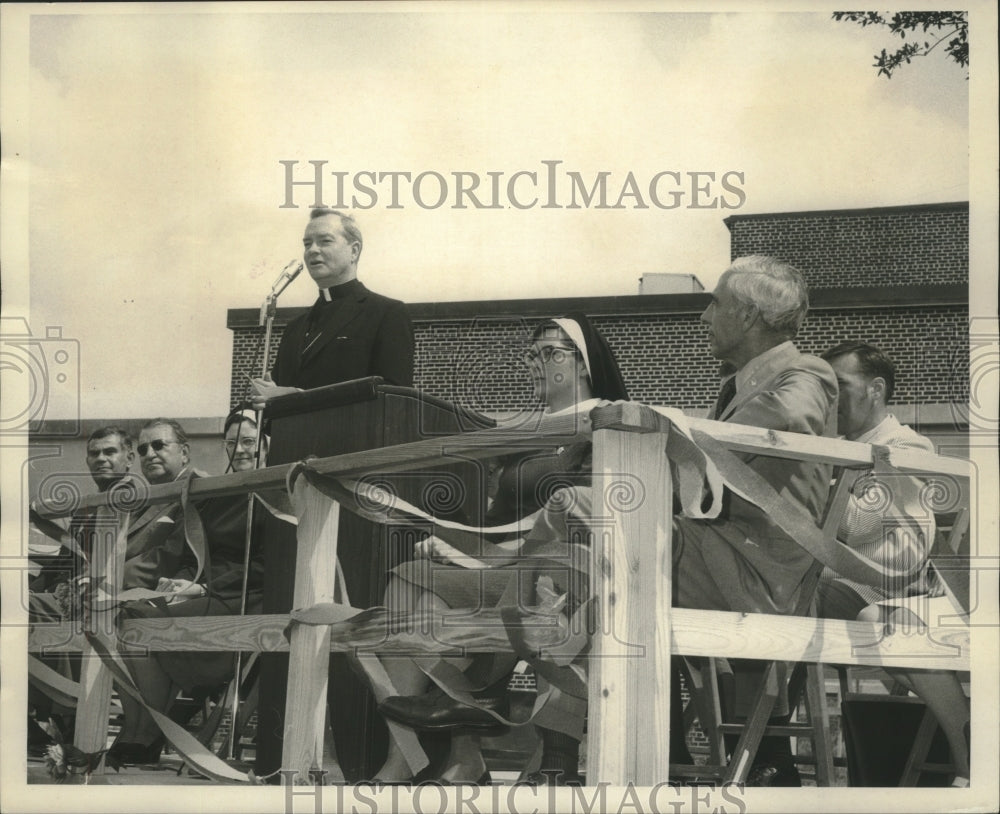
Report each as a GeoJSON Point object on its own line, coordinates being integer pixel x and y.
{"type": "Point", "coordinates": [248, 443]}
{"type": "Point", "coordinates": [157, 445]}
{"type": "Point", "coordinates": [548, 353]}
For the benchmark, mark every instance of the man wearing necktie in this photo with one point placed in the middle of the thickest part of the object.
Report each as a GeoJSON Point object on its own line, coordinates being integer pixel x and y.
{"type": "Point", "coordinates": [350, 332]}
{"type": "Point", "coordinates": [743, 561]}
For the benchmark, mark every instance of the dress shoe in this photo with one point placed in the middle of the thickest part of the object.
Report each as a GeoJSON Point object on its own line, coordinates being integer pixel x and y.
{"type": "Point", "coordinates": [38, 739]}
{"type": "Point", "coordinates": [439, 711]}
{"type": "Point", "coordinates": [128, 753]}
{"type": "Point", "coordinates": [767, 775]}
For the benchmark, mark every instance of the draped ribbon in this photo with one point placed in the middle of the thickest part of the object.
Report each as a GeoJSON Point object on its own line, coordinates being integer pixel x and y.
{"type": "Point", "coordinates": [64, 691]}
{"type": "Point", "coordinates": [194, 531]}
{"type": "Point", "coordinates": [55, 532]}
{"type": "Point", "coordinates": [700, 457]}
{"type": "Point", "coordinates": [702, 467]}
{"type": "Point", "coordinates": [379, 505]}
{"type": "Point", "coordinates": [278, 506]}
{"type": "Point", "coordinates": [796, 522]}
{"type": "Point", "coordinates": [186, 744]}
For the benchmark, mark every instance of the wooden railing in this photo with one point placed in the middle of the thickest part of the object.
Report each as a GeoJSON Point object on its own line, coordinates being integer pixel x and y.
{"type": "Point", "coordinates": [629, 670]}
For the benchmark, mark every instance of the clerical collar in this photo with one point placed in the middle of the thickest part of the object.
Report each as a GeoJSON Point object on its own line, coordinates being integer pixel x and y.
{"type": "Point", "coordinates": [338, 292]}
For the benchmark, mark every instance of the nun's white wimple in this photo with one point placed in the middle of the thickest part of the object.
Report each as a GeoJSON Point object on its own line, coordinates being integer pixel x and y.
{"type": "Point", "coordinates": [573, 330]}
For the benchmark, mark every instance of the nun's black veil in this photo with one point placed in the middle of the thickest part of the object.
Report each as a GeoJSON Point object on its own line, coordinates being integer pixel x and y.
{"type": "Point", "coordinates": [605, 377]}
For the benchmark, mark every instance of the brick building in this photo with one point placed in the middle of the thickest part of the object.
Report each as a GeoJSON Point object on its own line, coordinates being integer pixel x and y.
{"type": "Point", "coordinates": [897, 276]}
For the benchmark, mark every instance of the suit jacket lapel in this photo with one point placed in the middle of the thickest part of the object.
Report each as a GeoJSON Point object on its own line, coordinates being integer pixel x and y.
{"type": "Point", "coordinates": [147, 521]}
{"type": "Point", "coordinates": [143, 519]}
{"type": "Point", "coordinates": [331, 325]}
{"type": "Point", "coordinates": [762, 378]}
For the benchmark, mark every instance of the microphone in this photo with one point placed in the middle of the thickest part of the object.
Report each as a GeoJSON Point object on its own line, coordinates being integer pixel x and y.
{"type": "Point", "coordinates": [287, 276]}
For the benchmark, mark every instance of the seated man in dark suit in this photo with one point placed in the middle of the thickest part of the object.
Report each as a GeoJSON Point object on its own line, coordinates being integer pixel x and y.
{"type": "Point", "coordinates": [156, 535]}
{"type": "Point", "coordinates": [109, 458]}
{"type": "Point", "coordinates": [222, 586]}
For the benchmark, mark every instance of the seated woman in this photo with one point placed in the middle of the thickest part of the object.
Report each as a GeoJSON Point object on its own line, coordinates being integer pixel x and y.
{"type": "Point", "coordinates": [572, 367]}
{"type": "Point", "coordinates": [219, 592]}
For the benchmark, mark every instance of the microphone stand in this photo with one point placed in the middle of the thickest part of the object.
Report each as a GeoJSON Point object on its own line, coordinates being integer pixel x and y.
{"type": "Point", "coordinates": [267, 311]}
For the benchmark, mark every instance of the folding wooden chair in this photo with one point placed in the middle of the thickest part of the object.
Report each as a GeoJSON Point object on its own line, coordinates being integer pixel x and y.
{"type": "Point", "coordinates": [703, 683]}
{"type": "Point", "coordinates": [949, 558]}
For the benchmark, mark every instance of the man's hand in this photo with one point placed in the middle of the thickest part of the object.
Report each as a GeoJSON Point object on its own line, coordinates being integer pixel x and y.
{"type": "Point", "coordinates": [264, 389]}
{"type": "Point", "coordinates": [433, 548]}
{"type": "Point", "coordinates": [436, 549]}
{"type": "Point", "coordinates": [182, 589]}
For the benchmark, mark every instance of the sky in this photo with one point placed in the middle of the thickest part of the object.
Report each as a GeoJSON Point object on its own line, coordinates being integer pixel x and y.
{"type": "Point", "coordinates": [154, 185]}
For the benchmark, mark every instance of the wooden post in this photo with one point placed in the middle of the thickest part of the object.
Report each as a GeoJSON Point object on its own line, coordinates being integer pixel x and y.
{"type": "Point", "coordinates": [819, 719]}
{"type": "Point", "coordinates": [108, 560]}
{"type": "Point", "coordinates": [315, 570]}
{"type": "Point", "coordinates": [629, 708]}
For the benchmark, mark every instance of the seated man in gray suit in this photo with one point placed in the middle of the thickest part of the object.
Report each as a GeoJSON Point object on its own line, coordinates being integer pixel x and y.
{"type": "Point", "coordinates": [742, 560]}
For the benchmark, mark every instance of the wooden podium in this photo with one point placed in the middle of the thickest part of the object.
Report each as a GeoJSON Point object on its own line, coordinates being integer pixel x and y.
{"type": "Point", "coordinates": [350, 417]}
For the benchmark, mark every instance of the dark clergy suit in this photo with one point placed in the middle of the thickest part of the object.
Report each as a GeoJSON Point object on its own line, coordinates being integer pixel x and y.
{"type": "Point", "coordinates": [354, 334]}
{"type": "Point", "coordinates": [357, 334]}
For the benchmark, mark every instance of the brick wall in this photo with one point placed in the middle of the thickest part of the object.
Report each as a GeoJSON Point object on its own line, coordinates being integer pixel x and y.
{"type": "Point", "coordinates": [895, 276]}
{"type": "Point", "coordinates": [892, 246]}
{"type": "Point", "coordinates": [664, 358]}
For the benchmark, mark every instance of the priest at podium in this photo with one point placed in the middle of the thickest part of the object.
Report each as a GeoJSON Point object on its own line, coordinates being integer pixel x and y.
{"type": "Point", "coordinates": [349, 332]}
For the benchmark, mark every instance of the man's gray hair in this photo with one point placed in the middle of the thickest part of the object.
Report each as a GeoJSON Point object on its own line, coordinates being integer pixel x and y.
{"type": "Point", "coordinates": [776, 288]}
{"type": "Point", "coordinates": [179, 435]}
{"type": "Point", "coordinates": [347, 224]}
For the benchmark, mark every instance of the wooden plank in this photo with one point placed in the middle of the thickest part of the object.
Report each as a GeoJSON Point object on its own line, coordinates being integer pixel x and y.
{"type": "Point", "coordinates": [917, 759]}
{"type": "Point", "coordinates": [541, 434]}
{"type": "Point", "coordinates": [752, 730]}
{"type": "Point", "coordinates": [534, 433]}
{"type": "Point", "coordinates": [629, 705]}
{"type": "Point", "coordinates": [834, 641]}
{"type": "Point", "coordinates": [695, 633]}
{"type": "Point", "coordinates": [951, 560]}
{"type": "Point", "coordinates": [631, 416]}
{"type": "Point", "coordinates": [315, 576]}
